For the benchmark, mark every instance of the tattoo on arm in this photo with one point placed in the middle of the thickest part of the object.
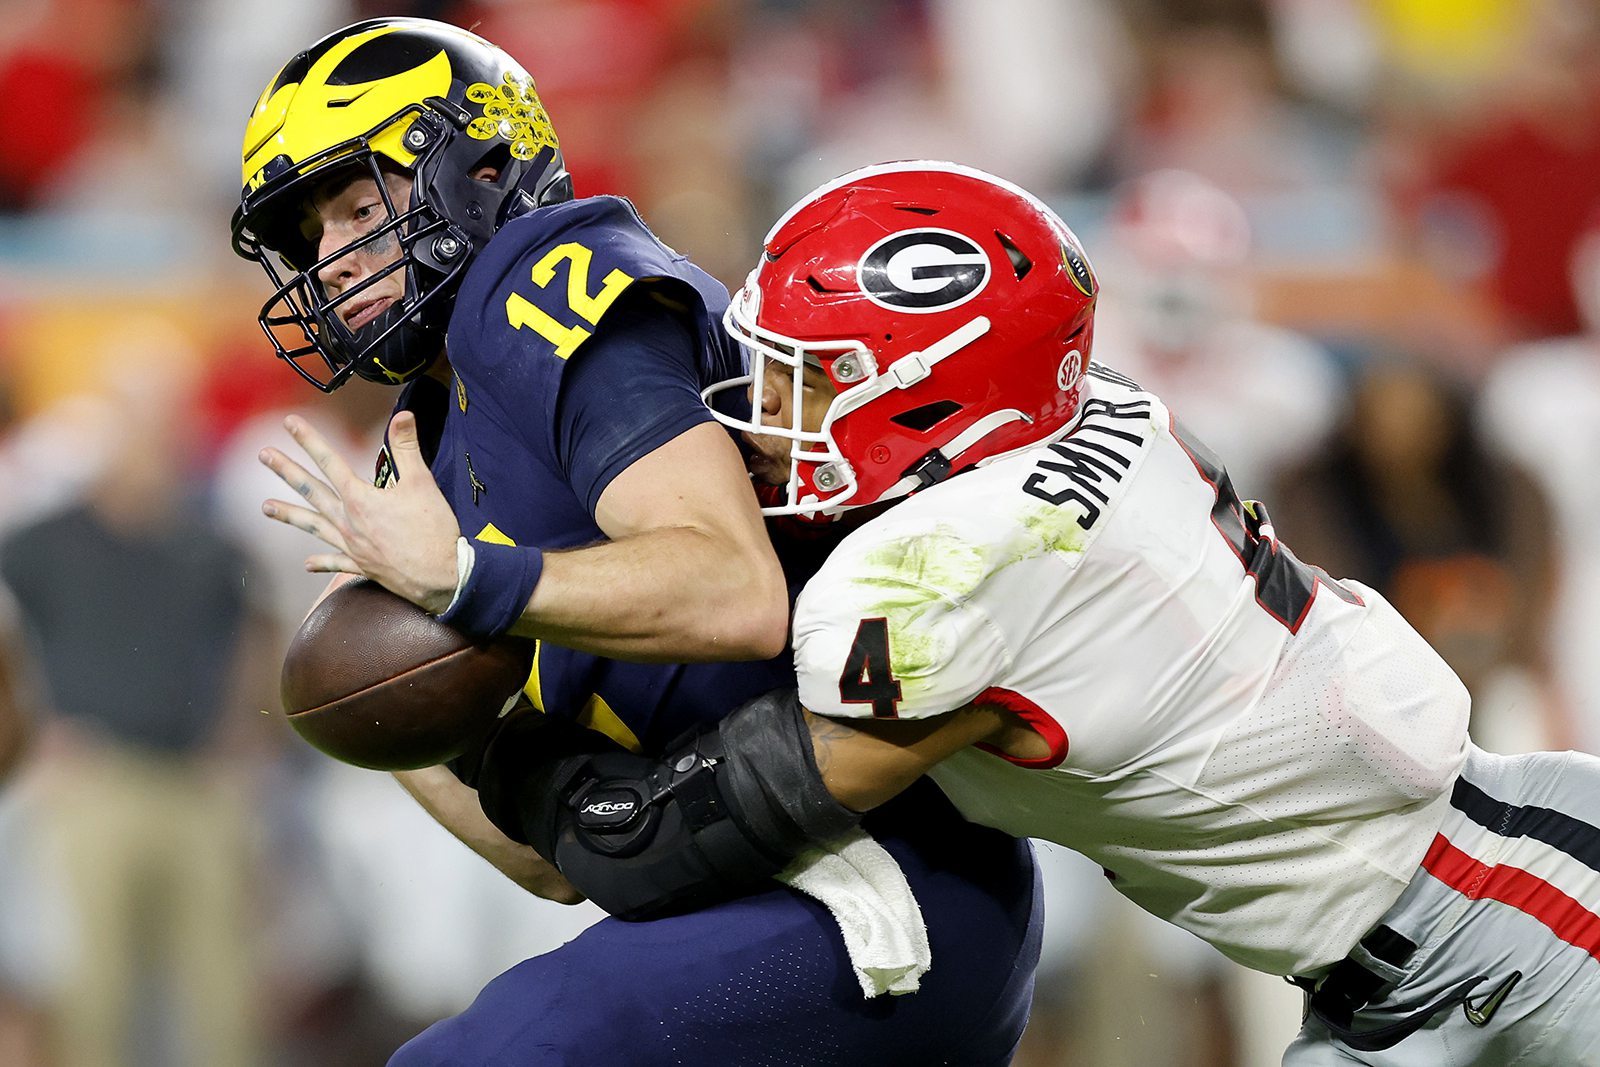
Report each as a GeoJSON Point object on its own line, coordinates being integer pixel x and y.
{"type": "Point", "coordinates": [825, 734]}
{"type": "Point", "coordinates": [865, 761]}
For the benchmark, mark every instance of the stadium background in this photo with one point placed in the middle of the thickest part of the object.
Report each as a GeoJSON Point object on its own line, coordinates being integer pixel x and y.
{"type": "Point", "coordinates": [1360, 269]}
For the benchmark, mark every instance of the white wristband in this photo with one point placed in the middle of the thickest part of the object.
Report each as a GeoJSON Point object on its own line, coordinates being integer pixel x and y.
{"type": "Point", "coordinates": [465, 557]}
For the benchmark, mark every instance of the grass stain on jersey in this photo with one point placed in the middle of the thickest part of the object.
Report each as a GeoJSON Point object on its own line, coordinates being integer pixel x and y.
{"type": "Point", "coordinates": [940, 560]}
{"type": "Point", "coordinates": [909, 581]}
{"type": "Point", "coordinates": [1055, 530]}
{"type": "Point", "coordinates": [915, 655]}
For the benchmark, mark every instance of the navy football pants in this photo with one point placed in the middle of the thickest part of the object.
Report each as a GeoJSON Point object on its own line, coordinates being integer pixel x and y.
{"type": "Point", "coordinates": [765, 980]}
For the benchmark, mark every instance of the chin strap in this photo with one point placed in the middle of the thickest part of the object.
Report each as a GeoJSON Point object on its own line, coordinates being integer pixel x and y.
{"type": "Point", "coordinates": [936, 466]}
{"type": "Point", "coordinates": [407, 342]}
{"type": "Point", "coordinates": [907, 371]}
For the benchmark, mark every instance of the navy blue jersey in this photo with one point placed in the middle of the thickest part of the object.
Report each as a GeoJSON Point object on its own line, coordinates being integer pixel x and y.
{"type": "Point", "coordinates": [579, 343]}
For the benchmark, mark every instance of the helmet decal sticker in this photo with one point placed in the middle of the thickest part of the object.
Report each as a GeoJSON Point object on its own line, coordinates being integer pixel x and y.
{"type": "Point", "coordinates": [923, 271]}
{"type": "Point", "coordinates": [1070, 370]}
{"type": "Point", "coordinates": [512, 110]}
{"type": "Point", "coordinates": [1078, 267]}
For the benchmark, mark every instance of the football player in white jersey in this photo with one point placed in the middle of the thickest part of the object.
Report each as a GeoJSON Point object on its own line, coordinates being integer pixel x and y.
{"type": "Point", "coordinates": [1087, 637]}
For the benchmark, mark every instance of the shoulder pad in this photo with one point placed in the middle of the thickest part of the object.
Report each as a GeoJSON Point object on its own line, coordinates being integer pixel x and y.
{"type": "Point", "coordinates": [891, 626]}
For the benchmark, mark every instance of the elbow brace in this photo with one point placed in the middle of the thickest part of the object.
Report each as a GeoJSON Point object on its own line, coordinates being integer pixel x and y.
{"type": "Point", "coordinates": [645, 836]}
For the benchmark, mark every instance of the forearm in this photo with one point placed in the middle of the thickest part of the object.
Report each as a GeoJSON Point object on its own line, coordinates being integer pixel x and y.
{"type": "Point", "coordinates": [866, 762]}
{"type": "Point", "coordinates": [455, 807]}
{"type": "Point", "coordinates": [714, 817]}
{"type": "Point", "coordinates": [672, 594]}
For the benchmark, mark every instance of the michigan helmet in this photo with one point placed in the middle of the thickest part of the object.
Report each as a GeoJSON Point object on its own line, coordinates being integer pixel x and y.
{"type": "Point", "coordinates": [952, 311]}
{"type": "Point", "coordinates": [426, 99]}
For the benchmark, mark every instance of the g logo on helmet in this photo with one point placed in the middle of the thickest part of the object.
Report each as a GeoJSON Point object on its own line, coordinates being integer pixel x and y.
{"type": "Point", "coordinates": [923, 271]}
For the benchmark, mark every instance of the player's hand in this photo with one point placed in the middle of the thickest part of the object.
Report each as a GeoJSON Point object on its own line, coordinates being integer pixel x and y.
{"type": "Point", "coordinates": [402, 536]}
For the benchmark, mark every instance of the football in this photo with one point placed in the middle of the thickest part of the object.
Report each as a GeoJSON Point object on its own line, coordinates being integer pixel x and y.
{"type": "Point", "coordinates": [373, 680]}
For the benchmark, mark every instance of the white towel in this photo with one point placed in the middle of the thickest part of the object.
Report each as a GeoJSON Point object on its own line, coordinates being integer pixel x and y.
{"type": "Point", "coordinates": [867, 892]}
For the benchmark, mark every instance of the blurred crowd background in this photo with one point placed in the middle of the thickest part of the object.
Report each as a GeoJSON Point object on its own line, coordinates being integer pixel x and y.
{"type": "Point", "coordinates": [1354, 243]}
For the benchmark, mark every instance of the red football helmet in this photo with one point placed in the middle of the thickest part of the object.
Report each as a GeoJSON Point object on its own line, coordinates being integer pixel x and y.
{"type": "Point", "coordinates": [952, 311]}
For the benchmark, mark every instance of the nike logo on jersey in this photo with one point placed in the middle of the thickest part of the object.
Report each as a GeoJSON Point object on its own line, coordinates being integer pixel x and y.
{"type": "Point", "coordinates": [1480, 1013]}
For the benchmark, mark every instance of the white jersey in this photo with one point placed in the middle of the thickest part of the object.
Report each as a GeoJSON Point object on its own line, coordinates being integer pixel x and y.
{"type": "Point", "coordinates": [1252, 751]}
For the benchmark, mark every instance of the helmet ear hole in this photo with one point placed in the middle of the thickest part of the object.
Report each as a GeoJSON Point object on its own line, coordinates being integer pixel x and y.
{"type": "Point", "coordinates": [497, 157]}
{"type": "Point", "coordinates": [924, 418]}
{"type": "Point", "coordinates": [1020, 263]}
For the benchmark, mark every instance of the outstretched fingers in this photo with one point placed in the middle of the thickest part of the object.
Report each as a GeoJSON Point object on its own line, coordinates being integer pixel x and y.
{"type": "Point", "coordinates": [312, 489]}
{"type": "Point", "coordinates": [338, 472]}
{"type": "Point", "coordinates": [312, 522]}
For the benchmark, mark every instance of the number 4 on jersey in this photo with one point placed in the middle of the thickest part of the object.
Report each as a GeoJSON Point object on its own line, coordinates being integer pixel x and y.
{"type": "Point", "coordinates": [867, 678]}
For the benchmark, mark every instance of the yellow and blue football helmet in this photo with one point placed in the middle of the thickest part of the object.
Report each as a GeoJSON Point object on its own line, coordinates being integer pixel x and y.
{"type": "Point", "coordinates": [430, 99]}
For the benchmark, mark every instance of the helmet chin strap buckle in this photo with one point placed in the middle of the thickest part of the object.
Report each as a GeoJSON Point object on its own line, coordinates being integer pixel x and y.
{"type": "Point", "coordinates": [931, 469]}
{"type": "Point", "coordinates": [936, 466]}
{"type": "Point", "coordinates": [909, 370]}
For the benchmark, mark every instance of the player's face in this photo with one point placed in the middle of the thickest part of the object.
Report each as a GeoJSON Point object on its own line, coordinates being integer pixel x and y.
{"type": "Point", "coordinates": [770, 460]}
{"type": "Point", "coordinates": [339, 213]}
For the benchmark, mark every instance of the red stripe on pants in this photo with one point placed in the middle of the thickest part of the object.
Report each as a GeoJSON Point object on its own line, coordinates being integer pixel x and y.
{"type": "Point", "coordinates": [1567, 918]}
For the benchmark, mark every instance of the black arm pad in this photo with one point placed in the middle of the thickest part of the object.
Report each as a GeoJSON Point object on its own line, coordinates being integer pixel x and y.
{"type": "Point", "coordinates": [528, 763]}
{"type": "Point", "coordinates": [648, 836]}
{"type": "Point", "coordinates": [771, 776]}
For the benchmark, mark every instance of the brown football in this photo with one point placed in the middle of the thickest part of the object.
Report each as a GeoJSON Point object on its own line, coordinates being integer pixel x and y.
{"type": "Point", "coordinates": [372, 679]}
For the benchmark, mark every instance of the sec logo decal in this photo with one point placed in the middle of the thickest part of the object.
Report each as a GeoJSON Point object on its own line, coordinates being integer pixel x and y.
{"type": "Point", "coordinates": [922, 271]}
{"type": "Point", "coordinates": [1071, 369]}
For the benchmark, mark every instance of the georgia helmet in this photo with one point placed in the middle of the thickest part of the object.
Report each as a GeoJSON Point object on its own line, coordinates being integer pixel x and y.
{"type": "Point", "coordinates": [410, 95]}
{"type": "Point", "coordinates": [952, 311]}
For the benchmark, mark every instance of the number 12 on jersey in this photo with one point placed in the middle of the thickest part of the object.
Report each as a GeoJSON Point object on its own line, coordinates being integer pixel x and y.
{"type": "Point", "coordinates": [866, 678]}
{"type": "Point", "coordinates": [523, 313]}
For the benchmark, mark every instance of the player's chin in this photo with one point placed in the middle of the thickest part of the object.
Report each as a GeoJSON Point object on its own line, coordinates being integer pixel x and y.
{"type": "Point", "coordinates": [766, 471]}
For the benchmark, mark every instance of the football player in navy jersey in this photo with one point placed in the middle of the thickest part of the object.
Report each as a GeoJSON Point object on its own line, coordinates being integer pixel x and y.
{"type": "Point", "coordinates": [552, 472]}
